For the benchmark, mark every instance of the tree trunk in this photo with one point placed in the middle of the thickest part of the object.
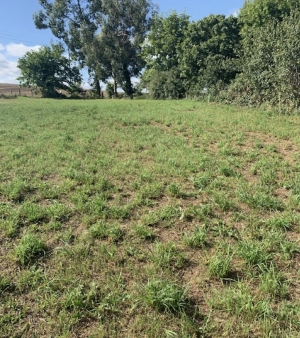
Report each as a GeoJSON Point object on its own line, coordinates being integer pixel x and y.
{"type": "Point", "coordinates": [115, 88]}
{"type": "Point", "coordinates": [127, 85]}
{"type": "Point", "coordinates": [97, 87]}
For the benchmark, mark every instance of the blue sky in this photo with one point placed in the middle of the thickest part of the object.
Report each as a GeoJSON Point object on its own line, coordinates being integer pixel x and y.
{"type": "Point", "coordinates": [18, 33]}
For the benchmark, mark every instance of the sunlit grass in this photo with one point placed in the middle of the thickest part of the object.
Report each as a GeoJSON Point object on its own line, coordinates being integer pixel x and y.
{"type": "Point", "coordinates": [124, 218]}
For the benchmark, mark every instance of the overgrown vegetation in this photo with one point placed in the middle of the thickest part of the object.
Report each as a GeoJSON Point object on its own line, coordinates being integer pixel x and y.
{"type": "Point", "coordinates": [251, 59]}
{"type": "Point", "coordinates": [147, 218]}
{"type": "Point", "coordinates": [49, 72]}
{"type": "Point", "coordinates": [190, 58]}
{"type": "Point", "coordinates": [104, 35]}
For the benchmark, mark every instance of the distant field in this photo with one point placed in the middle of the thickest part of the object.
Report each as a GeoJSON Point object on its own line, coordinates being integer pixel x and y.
{"type": "Point", "coordinates": [7, 89]}
{"type": "Point", "coordinates": [124, 218]}
{"type": "Point", "coordinates": [5, 85]}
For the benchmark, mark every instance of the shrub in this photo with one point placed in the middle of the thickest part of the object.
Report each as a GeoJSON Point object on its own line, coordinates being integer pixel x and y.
{"type": "Point", "coordinates": [270, 71]}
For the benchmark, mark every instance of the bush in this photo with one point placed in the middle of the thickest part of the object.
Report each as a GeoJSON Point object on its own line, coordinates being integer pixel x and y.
{"type": "Point", "coordinates": [270, 66]}
{"type": "Point", "coordinates": [164, 84]}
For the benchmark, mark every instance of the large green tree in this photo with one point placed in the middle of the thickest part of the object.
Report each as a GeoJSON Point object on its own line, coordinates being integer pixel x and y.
{"type": "Point", "coordinates": [161, 51]}
{"type": "Point", "coordinates": [208, 58]}
{"type": "Point", "coordinates": [105, 35]}
{"type": "Point", "coordinates": [65, 18]}
{"type": "Point", "coordinates": [115, 51]}
{"type": "Point", "coordinates": [49, 71]}
{"type": "Point", "coordinates": [271, 66]}
{"type": "Point", "coordinates": [163, 45]}
{"type": "Point", "coordinates": [269, 55]}
{"type": "Point", "coordinates": [257, 13]}
{"type": "Point", "coordinates": [186, 57]}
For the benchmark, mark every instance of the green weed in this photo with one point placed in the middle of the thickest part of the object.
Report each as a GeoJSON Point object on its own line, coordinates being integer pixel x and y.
{"type": "Point", "coordinates": [165, 255]}
{"type": "Point", "coordinates": [174, 190]}
{"type": "Point", "coordinates": [144, 232]}
{"type": "Point", "coordinates": [273, 282]}
{"type": "Point", "coordinates": [103, 230]}
{"type": "Point", "coordinates": [165, 296]}
{"type": "Point", "coordinates": [220, 264]}
{"type": "Point", "coordinates": [198, 238]}
{"type": "Point", "coordinates": [30, 248]}
{"type": "Point", "coordinates": [6, 285]}
{"type": "Point", "coordinates": [254, 252]}
{"type": "Point", "coordinates": [239, 301]}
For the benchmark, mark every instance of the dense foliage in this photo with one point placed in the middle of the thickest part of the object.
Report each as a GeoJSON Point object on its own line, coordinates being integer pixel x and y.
{"type": "Point", "coordinates": [49, 71]}
{"type": "Point", "coordinates": [65, 19]}
{"type": "Point", "coordinates": [189, 58]}
{"type": "Point", "coordinates": [270, 66]}
{"type": "Point", "coordinates": [209, 55]}
{"type": "Point", "coordinates": [269, 56]}
{"type": "Point", "coordinates": [104, 35]}
{"type": "Point", "coordinates": [114, 52]}
{"type": "Point", "coordinates": [258, 13]}
{"type": "Point", "coordinates": [162, 51]}
{"type": "Point", "coordinates": [251, 59]}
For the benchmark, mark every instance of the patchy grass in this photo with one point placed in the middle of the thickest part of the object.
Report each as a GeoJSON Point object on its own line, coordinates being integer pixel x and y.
{"type": "Point", "coordinates": [140, 218]}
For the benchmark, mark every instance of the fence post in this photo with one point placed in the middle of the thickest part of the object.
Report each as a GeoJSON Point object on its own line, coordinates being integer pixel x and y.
{"type": "Point", "coordinates": [11, 91]}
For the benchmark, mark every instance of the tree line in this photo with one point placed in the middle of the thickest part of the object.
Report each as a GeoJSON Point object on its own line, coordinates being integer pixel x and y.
{"type": "Point", "coordinates": [104, 36]}
{"type": "Point", "coordinates": [251, 59]}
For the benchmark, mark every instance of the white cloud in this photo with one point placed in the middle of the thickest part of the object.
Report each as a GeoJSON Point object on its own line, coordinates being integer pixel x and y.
{"type": "Point", "coordinates": [8, 60]}
{"type": "Point", "coordinates": [8, 70]}
{"type": "Point", "coordinates": [19, 49]}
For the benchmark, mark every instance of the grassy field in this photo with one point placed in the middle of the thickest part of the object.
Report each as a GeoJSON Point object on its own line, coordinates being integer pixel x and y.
{"type": "Point", "coordinates": [124, 218]}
